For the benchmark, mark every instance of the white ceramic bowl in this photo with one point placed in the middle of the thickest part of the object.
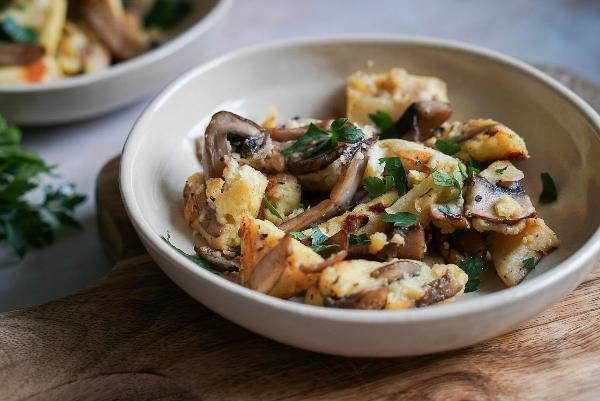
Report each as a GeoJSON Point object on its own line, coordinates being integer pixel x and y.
{"type": "Point", "coordinates": [307, 77]}
{"type": "Point", "coordinates": [86, 96]}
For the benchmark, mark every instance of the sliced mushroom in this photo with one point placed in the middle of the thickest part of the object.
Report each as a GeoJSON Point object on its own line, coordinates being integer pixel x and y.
{"type": "Point", "coordinates": [453, 219]}
{"type": "Point", "coordinates": [216, 259]}
{"type": "Point", "coordinates": [397, 270]}
{"type": "Point", "coordinates": [488, 129]}
{"type": "Point", "coordinates": [413, 246]}
{"type": "Point", "coordinates": [421, 119]}
{"type": "Point", "coordinates": [331, 260]}
{"type": "Point", "coordinates": [226, 132]}
{"type": "Point", "coordinates": [485, 200]}
{"type": "Point", "coordinates": [19, 53]}
{"type": "Point", "coordinates": [340, 198]}
{"type": "Point", "coordinates": [439, 290]}
{"type": "Point", "coordinates": [373, 299]}
{"type": "Point", "coordinates": [114, 27]}
{"type": "Point", "coordinates": [269, 269]}
{"type": "Point", "coordinates": [314, 163]}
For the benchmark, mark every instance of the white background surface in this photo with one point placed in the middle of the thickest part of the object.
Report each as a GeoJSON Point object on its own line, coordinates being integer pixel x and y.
{"type": "Point", "coordinates": [560, 32]}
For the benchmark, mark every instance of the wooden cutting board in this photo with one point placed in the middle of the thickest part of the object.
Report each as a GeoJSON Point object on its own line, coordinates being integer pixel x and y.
{"type": "Point", "coordinates": [134, 335]}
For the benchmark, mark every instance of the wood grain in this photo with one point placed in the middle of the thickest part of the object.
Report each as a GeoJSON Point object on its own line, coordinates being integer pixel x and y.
{"type": "Point", "coordinates": [134, 335]}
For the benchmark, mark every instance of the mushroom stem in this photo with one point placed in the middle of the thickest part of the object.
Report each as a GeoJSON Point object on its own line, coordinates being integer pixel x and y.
{"type": "Point", "coordinates": [216, 260]}
{"type": "Point", "coordinates": [269, 269]}
{"type": "Point", "coordinates": [374, 298]}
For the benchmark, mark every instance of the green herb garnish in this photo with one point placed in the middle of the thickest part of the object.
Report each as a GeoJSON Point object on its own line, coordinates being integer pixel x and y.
{"type": "Point", "coordinates": [549, 193]}
{"type": "Point", "coordinates": [473, 266]}
{"type": "Point", "coordinates": [445, 210]}
{"type": "Point", "coordinates": [12, 31]}
{"type": "Point", "coordinates": [199, 261]}
{"type": "Point", "coordinates": [378, 186]}
{"type": "Point", "coordinates": [401, 219]}
{"type": "Point", "coordinates": [393, 166]}
{"type": "Point", "coordinates": [317, 240]}
{"type": "Point", "coordinates": [300, 236]}
{"type": "Point", "coordinates": [360, 239]}
{"type": "Point", "coordinates": [449, 147]}
{"type": "Point", "coordinates": [25, 224]}
{"type": "Point", "coordinates": [386, 125]}
{"type": "Point", "coordinates": [167, 14]}
{"type": "Point", "coordinates": [529, 263]}
{"type": "Point", "coordinates": [340, 132]}
{"type": "Point", "coordinates": [442, 179]}
{"type": "Point", "coordinates": [474, 167]}
{"type": "Point", "coordinates": [271, 208]}
{"type": "Point", "coordinates": [501, 170]}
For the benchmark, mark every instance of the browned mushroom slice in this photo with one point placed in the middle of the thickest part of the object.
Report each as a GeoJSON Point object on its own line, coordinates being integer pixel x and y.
{"type": "Point", "coordinates": [226, 132]}
{"type": "Point", "coordinates": [397, 270]}
{"type": "Point", "coordinates": [495, 203]}
{"type": "Point", "coordinates": [412, 246]}
{"type": "Point", "coordinates": [339, 200]}
{"type": "Point", "coordinates": [216, 259]}
{"type": "Point", "coordinates": [421, 119]}
{"type": "Point", "coordinates": [448, 217]}
{"type": "Point", "coordinates": [439, 290]}
{"type": "Point", "coordinates": [19, 54]}
{"type": "Point", "coordinates": [314, 163]}
{"type": "Point", "coordinates": [124, 38]}
{"type": "Point", "coordinates": [268, 270]}
{"type": "Point", "coordinates": [331, 260]}
{"type": "Point", "coordinates": [373, 299]}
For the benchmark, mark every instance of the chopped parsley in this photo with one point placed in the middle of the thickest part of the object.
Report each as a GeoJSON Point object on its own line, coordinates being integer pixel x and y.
{"type": "Point", "coordinates": [449, 147]}
{"type": "Point", "coordinates": [12, 31]}
{"type": "Point", "coordinates": [401, 219]}
{"type": "Point", "coordinates": [271, 208]}
{"type": "Point", "coordinates": [457, 179]}
{"type": "Point", "coordinates": [442, 179]}
{"type": "Point", "coordinates": [300, 236]}
{"type": "Point", "coordinates": [376, 186]}
{"type": "Point", "coordinates": [340, 131]}
{"type": "Point", "coordinates": [549, 193]}
{"type": "Point", "coordinates": [529, 263]}
{"type": "Point", "coordinates": [393, 166]}
{"type": "Point", "coordinates": [167, 14]}
{"type": "Point", "coordinates": [386, 125]}
{"type": "Point", "coordinates": [501, 170]}
{"type": "Point", "coordinates": [199, 261]}
{"type": "Point", "coordinates": [360, 239]}
{"type": "Point", "coordinates": [23, 223]}
{"type": "Point", "coordinates": [317, 240]}
{"type": "Point", "coordinates": [474, 167]}
{"type": "Point", "coordinates": [473, 266]}
{"type": "Point", "coordinates": [445, 210]}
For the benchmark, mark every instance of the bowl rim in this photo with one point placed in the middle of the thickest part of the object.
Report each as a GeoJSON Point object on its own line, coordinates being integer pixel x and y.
{"type": "Point", "coordinates": [580, 259]}
{"type": "Point", "coordinates": [202, 25]}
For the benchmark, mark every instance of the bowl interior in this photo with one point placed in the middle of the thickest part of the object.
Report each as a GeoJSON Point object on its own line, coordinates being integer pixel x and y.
{"type": "Point", "coordinates": [308, 79]}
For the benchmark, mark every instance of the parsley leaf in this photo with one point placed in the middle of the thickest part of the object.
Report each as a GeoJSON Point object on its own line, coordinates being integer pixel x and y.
{"type": "Point", "coordinates": [299, 235]}
{"type": "Point", "coordinates": [340, 132]}
{"type": "Point", "coordinates": [445, 210]}
{"type": "Point", "coordinates": [473, 266]}
{"type": "Point", "coordinates": [401, 219]}
{"type": "Point", "coordinates": [442, 179]}
{"type": "Point", "coordinates": [271, 208]}
{"type": "Point", "coordinates": [386, 125]}
{"type": "Point", "coordinates": [199, 261]}
{"type": "Point", "coordinates": [529, 263]}
{"type": "Point", "coordinates": [313, 133]}
{"type": "Point", "coordinates": [549, 193]}
{"type": "Point", "coordinates": [449, 147]}
{"type": "Point", "coordinates": [393, 165]}
{"type": "Point", "coordinates": [501, 170]}
{"type": "Point", "coordinates": [24, 224]}
{"type": "Point", "coordinates": [361, 239]}
{"type": "Point", "coordinates": [378, 186]}
{"type": "Point", "coordinates": [317, 240]}
{"type": "Point", "coordinates": [12, 31]}
{"type": "Point", "coordinates": [474, 167]}
{"type": "Point", "coordinates": [167, 14]}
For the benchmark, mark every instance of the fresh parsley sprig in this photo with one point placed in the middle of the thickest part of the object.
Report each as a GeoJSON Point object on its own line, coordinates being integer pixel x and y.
{"type": "Point", "coordinates": [449, 147]}
{"type": "Point", "coordinates": [271, 208]}
{"type": "Point", "coordinates": [549, 192]}
{"type": "Point", "coordinates": [473, 266]}
{"type": "Point", "coordinates": [360, 239]}
{"type": "Point", "coordinates": [401, 219]}
{"type": "Point", "coordinates": [299, 235]}
{"type": "Point", "coordinates": [340, 131]}
{"type": "Point", "coordinates": [318, 239]}
{"type": "Point", "coordinates": [394, 176]}
{"type": "Point", "coordinates": [387, 126]}
{"type": "Point", "coordinates": [197, 260]}
{"type": "Point", "coordinates": [25, 224]}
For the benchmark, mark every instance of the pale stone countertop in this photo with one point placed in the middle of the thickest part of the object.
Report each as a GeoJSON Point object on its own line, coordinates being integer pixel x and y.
{"type": "Point", "coordinates": [560, 32]}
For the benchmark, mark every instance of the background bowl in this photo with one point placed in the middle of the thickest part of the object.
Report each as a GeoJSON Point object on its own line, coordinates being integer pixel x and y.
{"type": "Point", "coordinates": [86, 96]}
{"type": "Point", "coordinates": [307, 78]}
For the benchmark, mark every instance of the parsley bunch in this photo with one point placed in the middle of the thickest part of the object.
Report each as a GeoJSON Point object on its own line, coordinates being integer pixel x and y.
{"type": "Point", "coordinates": [24, 224]}
{"type": "Point", "coordinates": [338, 132]}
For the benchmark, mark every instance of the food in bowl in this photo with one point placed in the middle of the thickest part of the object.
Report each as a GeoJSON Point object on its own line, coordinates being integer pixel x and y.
{"type": "Point", "coordinates": [391, 207]}
{"type": "Point", "coordinates": [47, 40]}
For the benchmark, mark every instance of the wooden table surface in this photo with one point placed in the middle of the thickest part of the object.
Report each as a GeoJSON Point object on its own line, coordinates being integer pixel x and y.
{"type": "Point", "coordinates": [134, 335]}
